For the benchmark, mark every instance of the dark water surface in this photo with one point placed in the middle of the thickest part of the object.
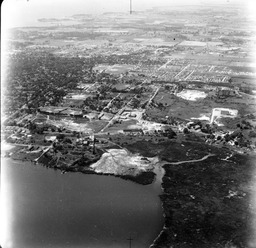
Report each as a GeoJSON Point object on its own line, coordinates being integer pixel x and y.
{"type": "Point", "coordinates": [43, 208]}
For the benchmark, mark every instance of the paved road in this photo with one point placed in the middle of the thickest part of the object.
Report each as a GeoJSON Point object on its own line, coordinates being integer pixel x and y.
{"type": "Point", "coordinates": [110, 102]}
{"type": "Point", "coordinates": [164, 65]}
{"type": "Point", "coordinates": [86, 90]}
{"type": "Point", "coordinates": [153, 96]}
{"type": "Point", "coordinates": [192, 161]}
{"type": "Point", "coordinates": [181, 71]}
{"type": "Point", "coordinates": [44, 151]}
{"type": "Point", "coordinates": [116, 115]}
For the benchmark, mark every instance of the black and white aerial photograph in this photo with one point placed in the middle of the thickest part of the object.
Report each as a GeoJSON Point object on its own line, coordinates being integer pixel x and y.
{"type": "Point", "coordinates": [128, 124]}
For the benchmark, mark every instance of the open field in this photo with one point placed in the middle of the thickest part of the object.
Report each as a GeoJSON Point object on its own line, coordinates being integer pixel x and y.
{"type": "Point", "coordinates": [125, 124]}
{"type": "Point", "coordinates": [184, 107]}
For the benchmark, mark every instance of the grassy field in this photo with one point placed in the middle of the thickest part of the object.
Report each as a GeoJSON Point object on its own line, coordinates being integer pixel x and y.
{"type": "Point", "coordinates": [120, 126]}
{"type": "Point", "coordinates": [186, 109]}
{"type": "Point", "coordinates": [97, 125]}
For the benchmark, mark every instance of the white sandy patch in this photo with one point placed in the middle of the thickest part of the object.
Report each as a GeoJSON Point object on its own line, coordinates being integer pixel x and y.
{"type": "Point", "coordinates": [192, 95]}
{"type": "Point", "coordinates": [79, 97]}
{"type": "Point", "coordinates": [202, 117]}
{"type": "Point", "coordinates": [122, 162]}
{"type": "Point", "coordinates": [151, 126]}
{"type": "Point", "coordinates": [134, 127]}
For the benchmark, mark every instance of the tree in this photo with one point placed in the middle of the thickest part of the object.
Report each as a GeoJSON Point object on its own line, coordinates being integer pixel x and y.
{"type": "Point", "coordinates": [60, 136]}
{"type": "Point", "coordinates": [160, 105]}
{"type": "Point", "coordinates": [185, 131]}
{"type": "Point", "coordinates": [227, 137]}
{"type": "Point", "coordinates": [39, 130]}
{"type": "Point", "coordinates": [67, 140]}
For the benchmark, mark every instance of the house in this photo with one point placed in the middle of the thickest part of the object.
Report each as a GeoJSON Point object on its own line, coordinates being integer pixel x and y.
{"type": "Point", "coordinates": [226, 92]}
{"type": "Point", "coordinates": [50, 138]}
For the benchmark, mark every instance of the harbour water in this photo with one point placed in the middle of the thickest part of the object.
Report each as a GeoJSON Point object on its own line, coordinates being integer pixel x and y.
{"type": "Point", "coordinates": [43, 208]}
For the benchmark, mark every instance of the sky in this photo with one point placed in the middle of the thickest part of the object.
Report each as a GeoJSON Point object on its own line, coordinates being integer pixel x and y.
{"type": "Point", "coordinates": [17, 13]}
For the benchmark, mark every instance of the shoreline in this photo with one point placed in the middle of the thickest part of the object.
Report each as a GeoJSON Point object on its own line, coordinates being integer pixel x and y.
{"type": "Point", "coordinates": [110, 188]}
{"type": "Point", "coordinates": [162, 189]}
{"type": "Point", "coordinates": [143, 178]}
{"type": "Point", "coordinates": [162, 207]}
{"type": "Point", "coordinates": [183, 208]}
{"type": "Point", "coordinates": [173, 198]}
